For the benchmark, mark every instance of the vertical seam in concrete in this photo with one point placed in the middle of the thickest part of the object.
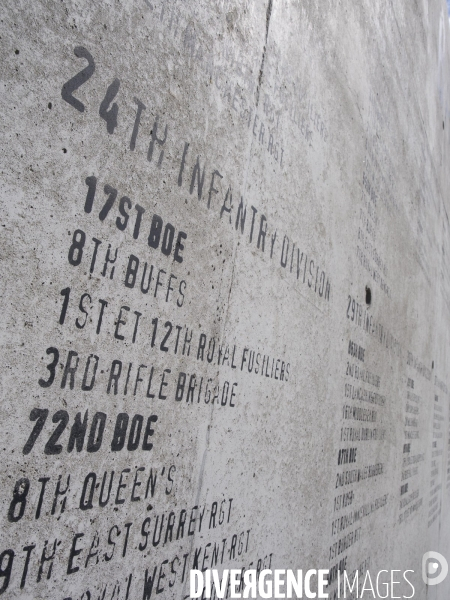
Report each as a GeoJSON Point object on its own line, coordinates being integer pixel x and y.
{"type": "Point", "coordinates": [261, 68]}
{"type": "Point", "coordinates": [197, 497]}
{"type": "Point", "coordinates": [244, 187]}
{"type": "Point", "coordinates": [258, 87]}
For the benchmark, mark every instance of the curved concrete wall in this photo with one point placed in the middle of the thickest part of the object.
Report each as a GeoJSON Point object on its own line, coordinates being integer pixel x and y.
{"type": "Point", "coordinates": [225, 292]}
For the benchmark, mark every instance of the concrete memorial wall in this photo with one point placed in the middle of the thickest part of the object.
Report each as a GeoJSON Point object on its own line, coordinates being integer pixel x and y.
{"type": "Point", "coordinates": [225, 294]}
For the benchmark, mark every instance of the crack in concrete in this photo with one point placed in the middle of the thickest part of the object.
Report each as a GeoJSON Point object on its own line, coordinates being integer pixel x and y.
{"type": "Point", "coordinates": [186, 584]}
{"type": "Point", "coordinates": [263, 58]}
{"type": "Point", "coordinates": [207, 441]}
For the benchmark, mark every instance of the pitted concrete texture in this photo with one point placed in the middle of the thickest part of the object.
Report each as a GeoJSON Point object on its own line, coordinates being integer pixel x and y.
{"type": "Point", "coordinates": [225, 293]}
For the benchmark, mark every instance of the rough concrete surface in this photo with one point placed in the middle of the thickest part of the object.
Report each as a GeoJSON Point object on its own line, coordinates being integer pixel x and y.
{"type": "Point", "coordinates": [225, 292]}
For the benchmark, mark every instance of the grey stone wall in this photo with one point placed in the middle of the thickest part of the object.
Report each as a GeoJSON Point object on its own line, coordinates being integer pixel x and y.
{"type": "Point", "coordinates": [225, 292]}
